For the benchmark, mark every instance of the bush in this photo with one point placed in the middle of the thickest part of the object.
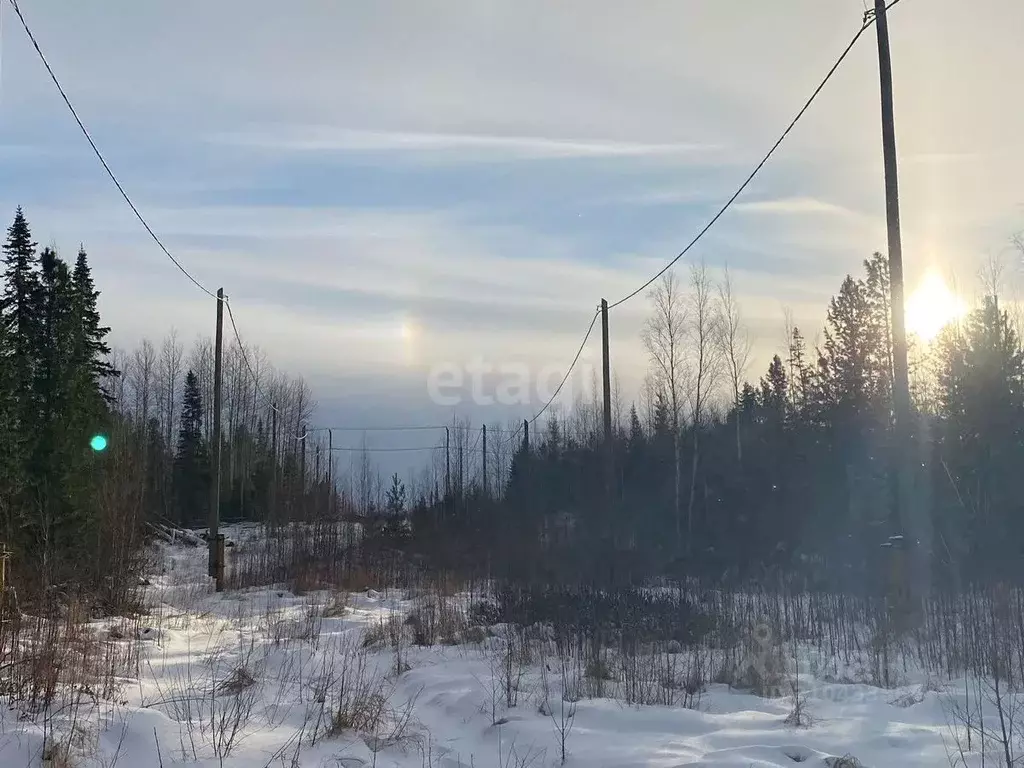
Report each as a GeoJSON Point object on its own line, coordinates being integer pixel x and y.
{"type": "Point", "coordinates": [385, 632]}
{"type": "Point", "coordinates": [485, 613]}
{"type": "Point", "coordinates": [436, 619]}
{"type": "Point", "coordinates": [633, 616]}
{"type": "Point", "coordinates": [337, 606]}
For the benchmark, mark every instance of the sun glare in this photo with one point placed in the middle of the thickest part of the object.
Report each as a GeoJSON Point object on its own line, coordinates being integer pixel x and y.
{"type": "Point", "coordinates": [409, 333]}
{"type": "Point", "coordinates": [932, 307]}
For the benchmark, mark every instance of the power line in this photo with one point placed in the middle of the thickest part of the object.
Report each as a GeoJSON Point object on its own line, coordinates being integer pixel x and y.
{"type": "Point", "coordinates": [842, 57]}
{"type": "Point", "coordinates": [142, 220]}
{"type": "Point", "coordinates": [245, 357]}
{"type": "Point", "coordinates": [309, 430]}
{"type": "Point", "coordinates": [135, 210]}
{"type": "Point", "coordinates": [99, 155]}
{"type": "Point", "coordinates": [868, 21]}
{"type": "Point", "coordinates": [255, 379]}
{"type": "Point", "coordinates": [409, 428]}
{"type": "Point", "coordinates": [572, 365]}
{"type": "Point", "coordinates": [127, 199]}
{"type": "Point", "coordinates": [388, 450]}
{"type": "Point", "coordinates": [390, 429]}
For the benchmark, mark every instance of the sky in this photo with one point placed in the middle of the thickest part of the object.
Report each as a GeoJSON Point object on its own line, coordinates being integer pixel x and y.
{"type": "Point", "coordinates": [388, 189]}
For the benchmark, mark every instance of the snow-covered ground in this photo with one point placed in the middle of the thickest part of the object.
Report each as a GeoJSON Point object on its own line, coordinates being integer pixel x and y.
{"type": "Point", "coordinates": [253, 679]}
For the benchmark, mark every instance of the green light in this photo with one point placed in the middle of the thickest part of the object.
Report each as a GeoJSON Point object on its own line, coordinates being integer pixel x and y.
{"type": "Point", "coordinates": [98, 442]}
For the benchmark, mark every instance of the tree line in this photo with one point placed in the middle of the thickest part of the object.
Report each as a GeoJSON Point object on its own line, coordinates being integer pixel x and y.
{"type": "Point", "coordinates": [789, 475]}
{"type": "Point", "coordinates": [165, 394]}
{"type": "Point", "coordinates": [99, 446]}
{"type": "Point", "coordinates": [716, 475]}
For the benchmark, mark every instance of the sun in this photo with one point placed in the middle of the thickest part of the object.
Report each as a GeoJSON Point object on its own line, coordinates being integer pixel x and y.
{"type": "Point", "coordinates": [932, 307]}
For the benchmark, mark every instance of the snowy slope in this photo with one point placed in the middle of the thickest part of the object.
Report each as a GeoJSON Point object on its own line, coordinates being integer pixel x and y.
{"type": "Point", "coordinates": [190, 704]}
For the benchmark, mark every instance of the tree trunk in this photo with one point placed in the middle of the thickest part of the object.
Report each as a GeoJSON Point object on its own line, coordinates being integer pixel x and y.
{"type": "Point", "coordinates": [678, 471]}
{"type": "Point", "coordinates": [693, 489]}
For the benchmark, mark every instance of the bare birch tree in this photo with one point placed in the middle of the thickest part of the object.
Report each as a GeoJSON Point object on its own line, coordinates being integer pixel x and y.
{"type": "Point", "coordinates": [499, 457]}
{"type": "Point", "coordinates": [703, 331]}
{"type": "Point", "coordinates": [169, 375]}
{"type": "Point", "coordinates": [648, 400]}
{"type": "Point", "coordinates": [170, 368]}
{"type": "Point", "coordinates": [143, 376]}
{"type": "Point", "coordinates": [363, 473]}
{"type": "Point", "coordinates": [736, 346]}
{"type": "Point", "coordinates": [618, 404]}
{"type": "Point", "coordinates": [664, 338]}
{"type": "Point", "coordinates": [461, 454]}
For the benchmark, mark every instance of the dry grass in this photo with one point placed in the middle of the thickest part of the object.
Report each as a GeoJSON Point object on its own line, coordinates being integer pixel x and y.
{"type": "Point", "coordinates": [386, 632]}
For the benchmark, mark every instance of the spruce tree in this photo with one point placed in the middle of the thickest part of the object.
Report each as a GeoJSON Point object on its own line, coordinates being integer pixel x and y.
{"type": "Point", "coordinates": [11, 467]}
{"type": "Point", "coordinates": [636, 431]}
{"type": "Point", "coordinates": [93, 349]}
{"type": "Point", "coordinates": [57, 466]}
{"type": "Point", "coordinates": [19, 318]}
{"type": "Point", "coordinates": [748, 401]}
{"type": "Point", "coordinates": [19, 310]}
{"type": "Point", "coordinates": [662, 427]}
{"type": "Point", "coordinates": [394, 501]}
{"type": "Point", "coordinates": [191, 462]}
{"type": "Point", "coordinates": [775, 389]}
{"type": "Point", "coordinates": [876, 294]}
{"type": "Point", "coordinates": [981, 383]}
{"type": "Point", "coordinates": [844, 376]}
{"type": "Point", "coordinates": [798, 373]}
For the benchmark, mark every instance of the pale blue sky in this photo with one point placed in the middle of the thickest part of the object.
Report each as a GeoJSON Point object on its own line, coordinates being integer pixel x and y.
{"type": "Point", "coordinates": [483, 173]}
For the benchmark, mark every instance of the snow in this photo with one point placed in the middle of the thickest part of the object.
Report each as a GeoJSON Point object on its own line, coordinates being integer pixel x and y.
{"type": "Point", "coordinates": [255, 659]}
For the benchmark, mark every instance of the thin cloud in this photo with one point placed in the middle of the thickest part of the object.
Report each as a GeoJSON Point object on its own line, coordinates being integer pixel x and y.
{"type": "Point", "coordinates": [322, 140]}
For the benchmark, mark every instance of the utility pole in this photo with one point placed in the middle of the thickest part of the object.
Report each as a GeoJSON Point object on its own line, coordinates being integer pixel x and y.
{"type": "Point", "coordinates": [526, 435]}
{"type": "Point", "coordinates": [302, 465]}
{"type": "Point", "coordinates": [447, 463]}
{"type": "Point", "coordinates": [609, 457]}
{"type": "Point", "coordinates": [607, 380]}
{"type": "Point", "coordinates": [216, 552]}
{"type": "Point", "coordinates": [484, 457]}
{"type": "Point", "coordinates": [460, 468]}
{"type": "Point", "coordinates": [273, 464]}
{"type": "Point", "coordinates": [907, 512]}
{"type": "Point", "coordinates": [330, 472]}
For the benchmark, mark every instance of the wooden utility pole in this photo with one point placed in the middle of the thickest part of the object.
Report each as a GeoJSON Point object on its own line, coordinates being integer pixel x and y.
{"type": "Point", "coordinates": [484, 457]}
{"type": "Point", "coordinates": [526, 435]}
{"type": "Point", "coordinates": [447, 463]}
{"type": "Point", "coordinates": [302, 465]}
{"type": "Point", "coordinates": [216, 566]}
{"type": "Point", "coordinates": [907, 512]}
{"type": "Point", "coordinates": [273, 464]}
{"type": "Point", "coordinates": [330, 472]}
{"type": "Point", "coordinates": [606, 377]}
{"type": "Point", "coordinates": [460, 466]}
